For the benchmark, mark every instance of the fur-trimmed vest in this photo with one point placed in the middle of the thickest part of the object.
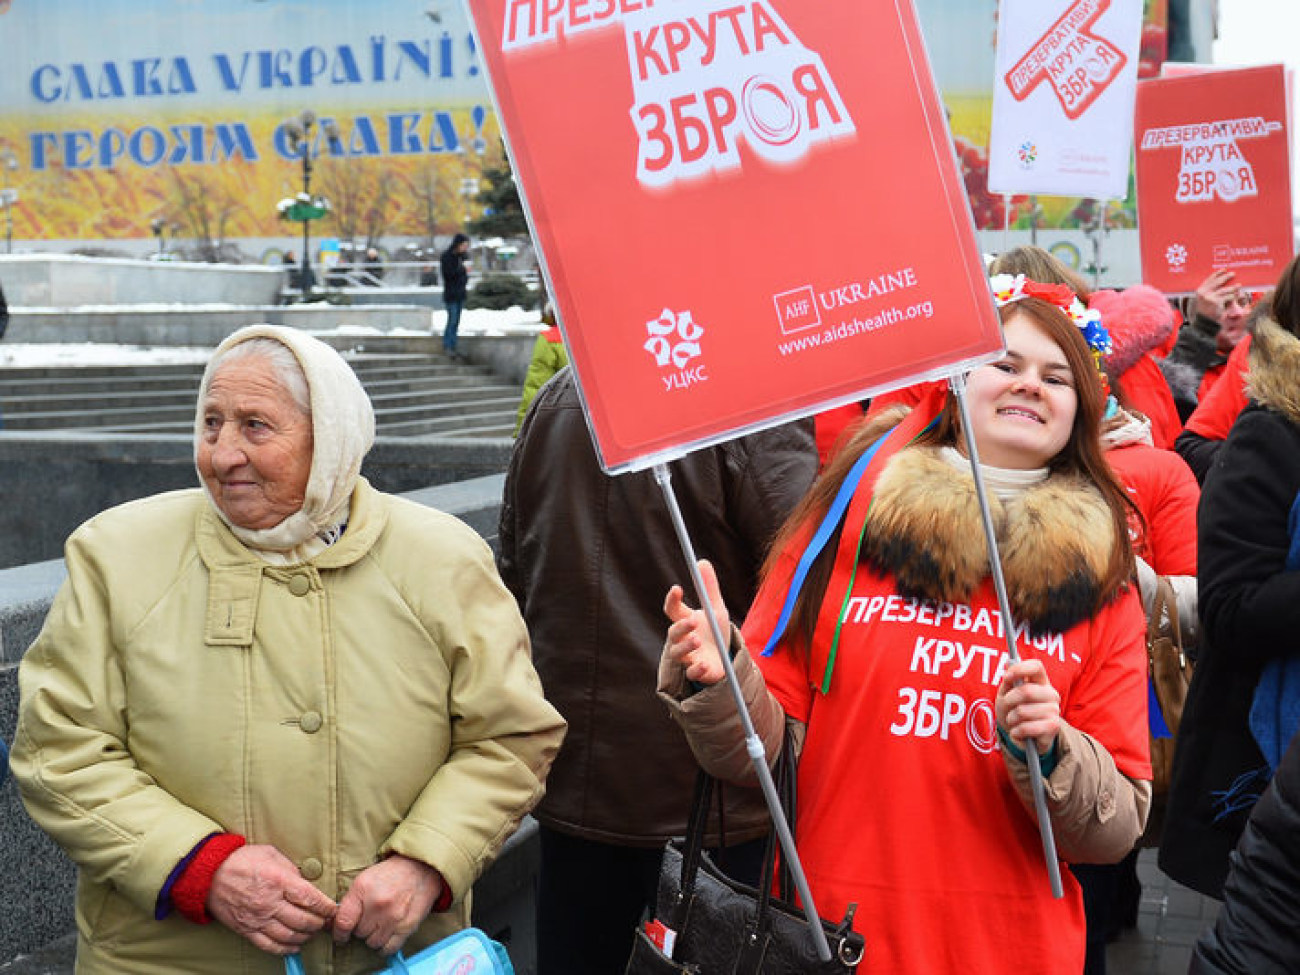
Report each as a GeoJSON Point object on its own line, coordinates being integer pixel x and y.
{"type": "Point", "coordinates": [1274, 376]}
{"type": "Point", "coordinates": [1055, 540]}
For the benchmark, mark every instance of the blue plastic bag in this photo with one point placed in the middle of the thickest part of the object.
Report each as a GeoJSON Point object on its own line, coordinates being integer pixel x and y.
{"type": "Point", "coordinates": [467, 952]}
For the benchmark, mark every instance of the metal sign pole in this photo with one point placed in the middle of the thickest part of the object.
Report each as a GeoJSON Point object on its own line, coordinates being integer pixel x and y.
{"type": "Point", "coordinates": [958, 384]}
{"type": "Point", "coordinates": [753, 744]}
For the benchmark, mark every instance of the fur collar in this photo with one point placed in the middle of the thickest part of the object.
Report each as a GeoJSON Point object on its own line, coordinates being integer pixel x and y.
{"type": "Point", "coordinates": [924, 528]}
{"type": "Point", "coordinates": [1274, 377]}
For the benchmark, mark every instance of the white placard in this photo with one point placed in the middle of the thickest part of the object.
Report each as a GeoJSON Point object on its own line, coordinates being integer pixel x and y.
{"type": "Point", "coordinates": [1063, 97]}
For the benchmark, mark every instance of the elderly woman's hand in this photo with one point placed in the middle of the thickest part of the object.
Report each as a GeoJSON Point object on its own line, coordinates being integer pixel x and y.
{"type": "Point", "coordinates": [258, 893]}
{"type": "Point", "coordinates": [690, 641]}
{"type": "Point", "coordinates": [1028, 706]}
{"type": "Point", "coordinates": [387, 902]}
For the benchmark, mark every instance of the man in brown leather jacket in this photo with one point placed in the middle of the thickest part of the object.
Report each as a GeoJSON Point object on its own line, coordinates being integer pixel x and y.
{"type": "Point", "coordinates": [589, 558]}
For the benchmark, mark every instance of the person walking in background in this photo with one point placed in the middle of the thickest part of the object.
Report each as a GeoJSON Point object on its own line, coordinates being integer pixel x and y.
{"type": "Point", "coordinates": [588, 556]}
{"type": "Point", "coordinates": [549, 357]}
{"type": "Point", "coordinates": [913, 788]}
{"type": "Point", "coordinates": [1243, 703]}
{"type": "Point", "coordinates": [373, 267]}
{"type": "Point", "coordinates": [293, 271]}
{"type": "Point", "coordinates": [455, 281]}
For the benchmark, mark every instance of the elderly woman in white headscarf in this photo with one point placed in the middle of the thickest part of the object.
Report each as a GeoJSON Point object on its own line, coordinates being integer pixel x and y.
{"type": "Point", "coordinates": [282, 713]}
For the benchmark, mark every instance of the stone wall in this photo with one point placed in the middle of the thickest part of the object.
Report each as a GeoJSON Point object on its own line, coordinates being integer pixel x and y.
{"type": "Point", "coordinates": [69, 280]}
{"type": "Point", "coordinates": [167, 325]}
{"type": "Point", "coordinates": [51, 482]}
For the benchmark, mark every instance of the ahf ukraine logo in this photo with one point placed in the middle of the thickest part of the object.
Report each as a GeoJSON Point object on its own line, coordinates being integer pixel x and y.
{"type": "Point", "coordinates": [674, 342]}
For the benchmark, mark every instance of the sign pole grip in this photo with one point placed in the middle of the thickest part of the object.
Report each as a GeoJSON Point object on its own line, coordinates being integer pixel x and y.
{"type": "Point", "coordinates": [1006, 221]}
{"type": "Point", "coordinates": [958, 384]}
{"type": "Point", "coordinates": [753, 744]}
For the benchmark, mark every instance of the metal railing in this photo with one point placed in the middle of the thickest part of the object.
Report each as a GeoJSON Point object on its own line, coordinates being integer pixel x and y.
{"type": "Point", "coordinates": [398, 275]}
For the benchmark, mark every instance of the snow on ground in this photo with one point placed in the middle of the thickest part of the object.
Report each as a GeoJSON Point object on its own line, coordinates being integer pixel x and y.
{"type": "Point", "coordinates": [478, 321]}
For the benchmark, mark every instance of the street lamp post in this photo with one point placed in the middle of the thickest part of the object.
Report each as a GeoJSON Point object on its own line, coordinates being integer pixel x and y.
{"type": "Point", "coordinates": [159, 227]}
{"type": "Point", "coordinates": [305, 208]}
{"type": "Point", "coordinates": [8, 163]}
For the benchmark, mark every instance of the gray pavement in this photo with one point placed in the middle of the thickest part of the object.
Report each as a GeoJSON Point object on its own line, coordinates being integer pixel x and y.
{"type": "Point", "coordinates": [1170, 919]}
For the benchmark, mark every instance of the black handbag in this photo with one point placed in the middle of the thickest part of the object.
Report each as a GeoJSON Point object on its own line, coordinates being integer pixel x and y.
{"type": "Point", "coordinates": [719, 926]}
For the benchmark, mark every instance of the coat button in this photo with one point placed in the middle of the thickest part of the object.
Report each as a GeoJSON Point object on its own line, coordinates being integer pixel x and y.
{"type": "Point", "coordinates": [311, 869]}
{"type": "Point", "coordinates": [1106, 804]}
{"type": "Point", "coordinates": [310, 722]}
{"type": "Point", "coordinates": [299, 585]}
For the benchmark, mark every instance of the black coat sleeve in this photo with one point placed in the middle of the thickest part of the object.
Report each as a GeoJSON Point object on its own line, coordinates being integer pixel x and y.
{"type": "Point", "coordinates": [1198, 451]}
{"type": "Point", "coordinates": [1248, 602]}
{"type": "Point", "coordinates": [1258, 929]}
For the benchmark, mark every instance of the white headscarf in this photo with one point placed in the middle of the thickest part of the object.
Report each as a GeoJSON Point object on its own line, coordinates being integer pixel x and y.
{"type": "Point", "coordinates": [343, 430]}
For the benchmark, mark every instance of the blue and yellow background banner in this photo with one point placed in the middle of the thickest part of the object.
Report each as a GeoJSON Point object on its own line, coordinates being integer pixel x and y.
{"type": "Point", "coordinates": [123, 111]}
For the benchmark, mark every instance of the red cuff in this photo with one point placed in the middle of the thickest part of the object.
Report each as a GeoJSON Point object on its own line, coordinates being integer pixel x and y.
{"type": "Point", "coordinates": [444, 899]}
{"type": "Point", "coordinates": [190, 892]}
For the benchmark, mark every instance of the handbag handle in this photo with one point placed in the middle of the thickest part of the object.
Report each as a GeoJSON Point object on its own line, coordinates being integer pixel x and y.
{"type": "Point", "coordinates": [787, 771]}
{"type": "Point", "coordinates": [786, 788]}
{"type": "Point", "coordinates": [1164, 606]}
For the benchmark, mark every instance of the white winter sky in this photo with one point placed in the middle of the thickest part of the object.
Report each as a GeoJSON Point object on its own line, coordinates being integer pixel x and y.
{"type": "Point", "coordinates": [1264, 32]}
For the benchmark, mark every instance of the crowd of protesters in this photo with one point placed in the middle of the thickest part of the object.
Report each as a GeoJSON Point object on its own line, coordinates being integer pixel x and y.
{"type": "Point", "coordinates": [1141, 391]}
{"type": "Point", "coordinates": [1131, 445]}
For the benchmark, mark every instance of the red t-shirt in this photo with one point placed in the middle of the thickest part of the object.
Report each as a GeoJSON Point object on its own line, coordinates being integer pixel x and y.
{"type": "Point", "coordinates": [904, 804]}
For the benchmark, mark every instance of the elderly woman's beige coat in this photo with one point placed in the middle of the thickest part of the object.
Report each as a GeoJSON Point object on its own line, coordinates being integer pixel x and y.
{"type": "Point", "coordinates": [379, 698]}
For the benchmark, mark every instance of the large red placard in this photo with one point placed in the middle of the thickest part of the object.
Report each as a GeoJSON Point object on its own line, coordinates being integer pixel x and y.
{"type": "Point", "coordinates": [1214, 177]}
{"type": "Point", "coordinates": [747, 210]}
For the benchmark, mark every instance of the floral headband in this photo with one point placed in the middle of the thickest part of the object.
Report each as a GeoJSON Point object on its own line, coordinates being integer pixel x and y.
{"type": "Point", "coordinates": [1008, 288]}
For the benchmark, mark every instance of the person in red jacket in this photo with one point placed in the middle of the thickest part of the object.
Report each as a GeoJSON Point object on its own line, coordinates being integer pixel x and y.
{"type": "Point", "coordinates": [1139, 319]}
{"type": "Point", "coordinates": [1166, 494]}
{"type": "Point", "coordinates": [1214, 416]}
{"type": "Point", "coordinates": [1199, 356]}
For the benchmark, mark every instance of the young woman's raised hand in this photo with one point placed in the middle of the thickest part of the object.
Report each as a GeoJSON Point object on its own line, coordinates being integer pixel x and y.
{"type": "Point", "coordinates": [690, 642]}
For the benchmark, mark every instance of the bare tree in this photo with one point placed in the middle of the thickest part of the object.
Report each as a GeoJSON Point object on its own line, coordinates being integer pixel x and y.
{"type": "Point", "coordinates": [360, 192]}
{"type": "Point", "coordinates": [203, 207]}
{"type": "Point", "coordinates": [433, 190]}
{"type": "Point", "coordinates": [377, 217]}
